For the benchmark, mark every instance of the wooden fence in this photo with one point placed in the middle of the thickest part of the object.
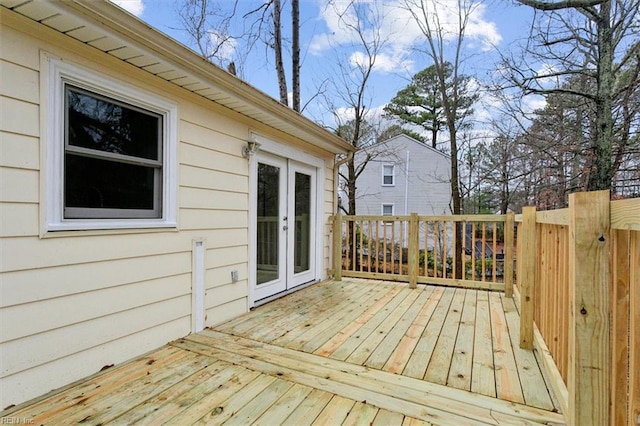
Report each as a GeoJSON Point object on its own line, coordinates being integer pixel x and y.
{"type": "Point", "coordinates": [460, 251]}
{"type": "Point", "coordinates": [578, 284]}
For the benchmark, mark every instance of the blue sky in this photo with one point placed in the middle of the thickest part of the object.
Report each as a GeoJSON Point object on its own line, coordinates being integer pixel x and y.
{"type": "Point", "coordinates": [497, 25]}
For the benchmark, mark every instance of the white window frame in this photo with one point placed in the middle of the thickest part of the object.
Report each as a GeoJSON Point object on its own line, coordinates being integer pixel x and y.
{"type": "Point", "coordinates": [387, 205]}
{"type": "Point", "coordinates": [393, 175]}
{"type": "Point", "coordinates": [56, 73]}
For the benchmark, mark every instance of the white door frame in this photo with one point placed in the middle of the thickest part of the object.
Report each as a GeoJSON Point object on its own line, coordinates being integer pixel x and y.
{"type": "Point", "coordinates": [272, 147]}
{"type": "Point", "coordinates": [279, 284]}
{"type": "Point", "coordinates": [295, 279]}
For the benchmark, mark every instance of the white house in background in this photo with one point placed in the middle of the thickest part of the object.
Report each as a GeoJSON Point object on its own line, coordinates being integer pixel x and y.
{"type": "Point", "coordinates": [132, 209]}
{"type": "Point", "coordinates": [405, 176]}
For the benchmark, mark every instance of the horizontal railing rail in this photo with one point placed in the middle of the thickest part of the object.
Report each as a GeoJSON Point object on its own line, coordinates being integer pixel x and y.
{"type": "Point", "coordinates": [461, 251]}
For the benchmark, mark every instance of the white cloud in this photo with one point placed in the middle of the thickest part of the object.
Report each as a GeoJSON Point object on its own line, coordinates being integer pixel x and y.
{"type": "Point", "coordinates": [482, 31]}
{"type": "Point", "coordinates": [373, 115]}
{"type": "Point", "coordinates": [384, 63]}
{"type": "Point", "coordinates": [135, 7]}
{"type": "Point", "coordinates": [224, 47]}
{"type": "Point", "coordinates": [394, 25]}
{"type": "Point", "coordinates": [532, 103]}
{"type": "Point", "coordinates": [546, 75]}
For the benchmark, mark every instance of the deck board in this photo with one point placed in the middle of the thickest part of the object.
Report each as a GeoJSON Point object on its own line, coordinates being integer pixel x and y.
{"type": "Point", "coordinates": [350, 352]}
{"type": "Point", "coordinates": [318, 329]}
{"type": "Point", "coordinates": [326, 329]}
{"type": "Point", "coordinates": [483, 374]}
{"type": "Point", "coordinates": [353, 342]}
{"type": "Point", "coordinates": [402, 353]}
{"type": "Point", "coordinates": [309, 409]}
{"type": "Point", "coordinates": [389, 391]}
{"type": "Point", "coordinates": [462, 359]}
{"type": "Point", "coordinates": [421, 356]}
{"type": "Point", "coordinates": [335, 412]}
{"type": "Point", "coordinates": [361, 415]}
{"type": "Point", "coordinates": [532, 382]}
{"type": "Point", "coordinates": [284, 406]}
{"type": "Point", "coordinates": [391, 339]}
{"type": "Point", "coordinates": [439, 365]}
{"type": "Point", "coordinates": [364, 351]}
{"type": "Point", "coordinates": [345, 333]}
{"type": "Point", "coordinates": [508, 384]}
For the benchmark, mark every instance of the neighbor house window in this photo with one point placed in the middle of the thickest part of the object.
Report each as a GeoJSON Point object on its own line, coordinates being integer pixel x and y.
{"type": "Point", "coordinates": [387, 210]}
{"type": "Point", "coordinates": [388, 176]}
{"type": "Point", "coordinates": [111, 153]}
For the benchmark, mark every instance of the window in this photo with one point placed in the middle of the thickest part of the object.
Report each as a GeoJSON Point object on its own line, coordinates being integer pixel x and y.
{"type": "Point", "coordinates": [112, 160]}
{"type": "Point", "coordinates": [110, 153]}
{"type": "Point", "coordinates": [388, 177]}
{"type": "Point", "coordinates": [387, 210]}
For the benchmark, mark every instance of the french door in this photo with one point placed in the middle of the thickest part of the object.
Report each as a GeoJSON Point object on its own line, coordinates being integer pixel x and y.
{"type": "Point", "coordinates": [285, 225]}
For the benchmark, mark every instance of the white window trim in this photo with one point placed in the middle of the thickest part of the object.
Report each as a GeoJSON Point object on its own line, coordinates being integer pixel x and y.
{"type": "Point", "coordinates": [393, 174]}
{"type": "Point", "coordinates": [54, 73]}
{"type": "Point", "coordinates": [393, 209]}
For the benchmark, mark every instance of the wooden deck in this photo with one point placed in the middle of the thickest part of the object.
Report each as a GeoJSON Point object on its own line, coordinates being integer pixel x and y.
{"type": "Point", "coordinates": [348, 352]}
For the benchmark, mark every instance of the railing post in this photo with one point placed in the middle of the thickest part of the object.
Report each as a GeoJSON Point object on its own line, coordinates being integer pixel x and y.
{"type": "Point", "coordinates": [337, 247]}
{"type": "Point", "coordinates": [414, 244]}
{"type": "Point", "coordinates": [508, 254]}
{"type": "Point", "coordinates": [589, 301]}
{"type": "Point", "coordinates": [527, 277]}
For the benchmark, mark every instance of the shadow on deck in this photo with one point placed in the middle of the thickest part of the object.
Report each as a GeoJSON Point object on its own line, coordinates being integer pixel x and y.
{"type": "Point", "coordinates": [347, 352]}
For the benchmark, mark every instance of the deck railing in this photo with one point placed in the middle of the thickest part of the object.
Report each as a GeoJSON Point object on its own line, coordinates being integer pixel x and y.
{"type": "Point", "coordinates": [578, 286]}
{"type": "Point", "coordinates": [579, 291]}
{"type": "Point", "coordinates": [461, 251]}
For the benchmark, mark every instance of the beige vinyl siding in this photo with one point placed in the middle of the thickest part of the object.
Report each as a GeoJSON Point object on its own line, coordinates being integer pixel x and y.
{"type": "Point", "coordinates": [19, 82]}
{"type": "Point", "coordinates": [19, 151]}
{"type": "Point", "coordinates": [19, 117]}
{"type": "Point", "coordinates": [96, 298]}
{"type": "Point", "coordinates": [329, 210]}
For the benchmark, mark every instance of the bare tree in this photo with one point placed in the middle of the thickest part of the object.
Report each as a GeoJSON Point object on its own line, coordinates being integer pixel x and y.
{"type": "Point", "coordinates": [350, 81]}
{"type": "Point", "coordinates": [295, 54]}
{"type": "Point", "coordinates": [208, 26]}
{"type": "Point", "coordinates": [438, 39]}
{"type": "Point", "coordinates": [587, 38]}
{"type": "Point", "coordinates": [277, 50]}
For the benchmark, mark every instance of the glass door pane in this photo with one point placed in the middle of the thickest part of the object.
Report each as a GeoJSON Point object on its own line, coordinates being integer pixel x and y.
{"type": "Point", "coordinates": [302, 228]}
{"type": "Point", "coordinates": [301, 255]}
{"type": "Point", "coordinates": [268, 227]}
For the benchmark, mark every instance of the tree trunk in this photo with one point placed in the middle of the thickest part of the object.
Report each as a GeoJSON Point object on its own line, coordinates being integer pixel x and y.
{"type": "Point", "coordinates": [295, 60]}
{"type": "Point", "coordinates": [351, 193]}
{"type": "Point", "coordinates": [277, 47]}
{"type": "Point", "coordinates": [603, 170]}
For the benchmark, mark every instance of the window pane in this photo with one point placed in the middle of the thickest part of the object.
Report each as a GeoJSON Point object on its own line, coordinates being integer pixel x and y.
{"type": "Point", "coordinates": [387, 210]}
{"type": "Point", "coordinates": [97, 123]}
{"type": "Point", "coordinates": [95, 183]}
{"type": "Point", "coordinates": [268, 229]}
{"type": "Point", "coordinates": [301, 259]}
{"type": "Point", "coordinates": [387, 175]}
